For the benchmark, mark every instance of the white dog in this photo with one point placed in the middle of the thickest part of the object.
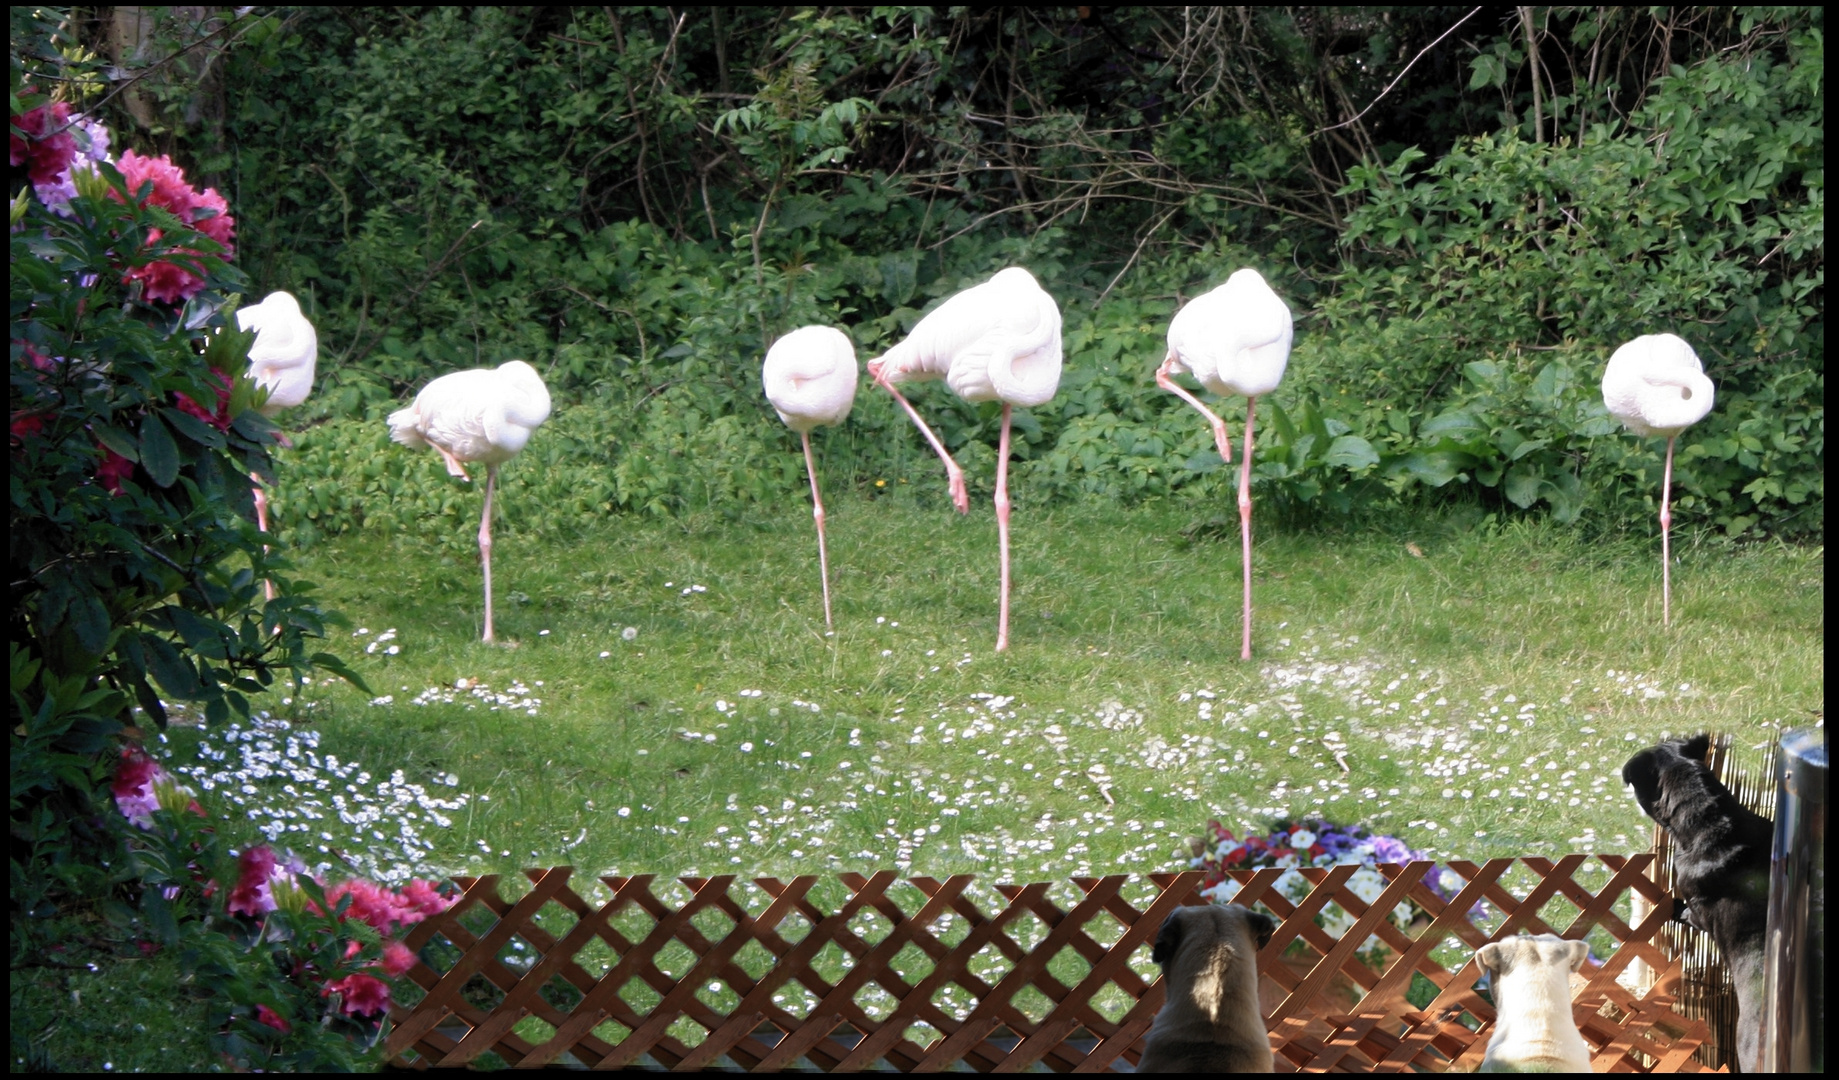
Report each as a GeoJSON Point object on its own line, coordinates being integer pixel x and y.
{"type": "Point", "coordinates": [1534, 1031]}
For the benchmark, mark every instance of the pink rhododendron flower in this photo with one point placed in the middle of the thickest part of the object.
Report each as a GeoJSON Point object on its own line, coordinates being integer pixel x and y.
{"type": "Point", "coordinates": [386, 910]}
{"type": "Point", "coordinates": [114, 470]}
{"type": "Point", "coordinates": [219, 419]}
{"type": "Point", "coordinates": [360, 995]}
{"type": "Point", "coordinates": [45, 155]}
{"type": "Point", "coordinates": [266, 1015]}
{"type": "Point", "coordinates": [166, 280]}
{"type": "Point", "coordinates": [26, 425]}
{"type": "Point", "coordinates": [370, 903]}
{"type": "Point", "coordinates": [397, 959]}
{"type": "Point", "coordinates": [135, 777]}
{"type": "Point", "coordinates": [253, 895]}
{"type": "Point", "coordinates": [425, 899]}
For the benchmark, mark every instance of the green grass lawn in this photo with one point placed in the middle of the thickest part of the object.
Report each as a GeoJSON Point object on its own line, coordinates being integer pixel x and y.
{"type": "Point", "coordinates": [666, 698]}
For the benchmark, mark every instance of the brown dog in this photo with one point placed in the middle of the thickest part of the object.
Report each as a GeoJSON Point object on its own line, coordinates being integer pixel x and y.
{"type": "Point", "coordinates": [1210, 1020]}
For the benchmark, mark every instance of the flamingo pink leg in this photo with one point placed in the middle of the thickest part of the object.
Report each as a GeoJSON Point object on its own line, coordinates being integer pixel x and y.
{"type": "Point", "coordinates": [485, 546]}
{"type": "Point", "coordinates": [817, 513]}
{"type": "Point", "coordinates": [1220, 441]}
{"type": "Point", "coordinates": [1666, 553]}
{"type": "Point", "coordinates": [261, 522]}
{"type": "Point", "coordinates": [1245, 528]}
{"type": "Point", "coordinates": [1002, 529]}
{"type": "Point", "coordinates": [960, 498]}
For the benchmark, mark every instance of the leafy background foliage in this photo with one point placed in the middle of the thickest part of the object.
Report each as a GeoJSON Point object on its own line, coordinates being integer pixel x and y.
{"type": "Point", "coordinates": [640, 200]}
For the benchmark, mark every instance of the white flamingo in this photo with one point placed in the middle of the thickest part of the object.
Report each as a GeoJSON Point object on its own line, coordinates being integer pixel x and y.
{"type": "Point", "coordinates": [281, 361]}
{"type": "Point", "coordinates": [998, 341]}
{"type": "Point", "coordinates": [1235, 340]}
{"type": "Point", "coordinates": [810, 378]}
{"type": "Point", "coordinates": [483, 416]}
{"type": "Point", "coordinates": [1656, 386]}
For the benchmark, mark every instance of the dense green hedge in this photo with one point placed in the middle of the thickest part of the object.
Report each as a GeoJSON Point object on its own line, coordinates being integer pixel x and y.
{"type": "Point", "coordinates": [639, 200]}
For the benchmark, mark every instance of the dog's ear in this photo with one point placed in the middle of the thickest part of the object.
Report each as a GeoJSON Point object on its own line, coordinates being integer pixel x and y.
{"type": "Point", "coordinates": [1168, 939]}
{"type": "Point", "coordinates": [1697, 748]}
{"type": "Point", "coordinates": [1488, 957]}
{"type": "Point", "coordinates": [1580, 951]}
{"type": "Point", "coordinates": [1262, 927]}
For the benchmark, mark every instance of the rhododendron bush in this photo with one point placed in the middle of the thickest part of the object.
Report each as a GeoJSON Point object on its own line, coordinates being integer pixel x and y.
{"type": "Point", "coordinates": [301, 963]}
{"type": "Point", "coordinates": [134, 565]}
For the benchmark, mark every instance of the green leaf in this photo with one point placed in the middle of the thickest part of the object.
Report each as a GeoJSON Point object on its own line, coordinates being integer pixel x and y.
{"type": "Point", "coordinates": [1528, 447]}
{"type": "Point", "coordinates": [193, 428]}
{"type": "Point", "coordinates": [1486, 70]}
{"type": "Point", "coordinates": [1286, 430]}
{"type": "Point", "coordinates": [337, 667]}
{"type": "Point", "coordinates": [173, 674]}
{"type": "Point", "coordinates": [1458, 424]}
{"type": "Point", "coordinates": [1435, 467]}
{"type": "Point", "coordinates": [116, 439]}
{"type": "Point", "coordinates": [1482, 371]}
{"type": "Point", "coordinates": [1351, 452]}
{"type": "Point", "coordinates": [158, 452]}
{"type": "Point", "coordinates": [1522, 487]}
{"type": "Point", "coordinates": [1205, 461]}
{"type": "Point", "coordinates": [199, 634]}
{"type": "Point", "coordinates": [89, 621]}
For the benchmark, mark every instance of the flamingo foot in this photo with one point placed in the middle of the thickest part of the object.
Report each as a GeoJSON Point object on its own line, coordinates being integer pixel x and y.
{"type": "Point", "coordinates": [454, 468]}
{"type": "Point", "coordinates": [960, 495]}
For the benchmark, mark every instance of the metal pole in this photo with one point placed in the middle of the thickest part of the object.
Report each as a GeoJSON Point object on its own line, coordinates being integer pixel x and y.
{"type": "Point", "coordinates": [1794, 961]}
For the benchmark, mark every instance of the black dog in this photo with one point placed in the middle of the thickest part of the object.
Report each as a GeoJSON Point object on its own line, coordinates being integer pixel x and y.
{"type": "Point", "coordinates": [1720, 866]}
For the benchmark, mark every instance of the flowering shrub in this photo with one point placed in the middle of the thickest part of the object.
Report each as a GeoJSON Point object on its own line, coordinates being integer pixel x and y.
{"type": "Point", "coordinates": [1313, 843]}
{"type": "Point", "coordinates": [301, 968]}
{"type": "Point", "coordinates": [44, 146]}
{"type": "Point", "coordinates": [136, 579]}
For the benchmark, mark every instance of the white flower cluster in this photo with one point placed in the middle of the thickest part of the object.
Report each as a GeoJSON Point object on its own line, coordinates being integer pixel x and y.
{"type": "Point", "coordinates": [517, 697]}
{"type": "Point", "coordinates": [381, 642]}
{"type": "Point", "coordinates": [276, 776]}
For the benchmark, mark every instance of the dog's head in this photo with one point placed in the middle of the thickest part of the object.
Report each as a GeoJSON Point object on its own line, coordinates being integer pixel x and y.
{"type": "Point", "coordinates": [1210, 925]}
{"type": "Point", "coordinates": [1498, 958]}
{"type": "Point", "coordinates": [1209, 957]}
{"type": "Point", "coordinates": [1645, 772]}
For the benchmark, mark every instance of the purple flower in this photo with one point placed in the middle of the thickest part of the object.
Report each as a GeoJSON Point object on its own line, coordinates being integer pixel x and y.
{"type": "Point", "coordinates": [57, 194]}
{"type": "Point", "coordinates": [1391, 849]}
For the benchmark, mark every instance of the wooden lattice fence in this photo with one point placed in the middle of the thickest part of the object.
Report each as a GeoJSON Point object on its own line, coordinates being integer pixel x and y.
{"type": "Point", "coordinates": [941, 983]}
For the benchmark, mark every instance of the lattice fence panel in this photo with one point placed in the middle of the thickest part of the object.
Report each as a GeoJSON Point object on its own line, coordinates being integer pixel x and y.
{"type": "Point", "coordinates": [929, 974]}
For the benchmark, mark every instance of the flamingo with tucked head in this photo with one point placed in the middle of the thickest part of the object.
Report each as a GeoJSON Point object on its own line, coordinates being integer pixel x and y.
{"type": "Point", "coordinates": [483, 416]}
{"type": "Point", "coordinates": [1234, 340]}
{"type": "Point", "coordinates": [1655, 385]}
{"type": "Point", "coordinates": [998, 341]}
{"type": "Point", "coordinates": [810, 378]}
{"type": "Point", "coordinates": [281, 361]}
